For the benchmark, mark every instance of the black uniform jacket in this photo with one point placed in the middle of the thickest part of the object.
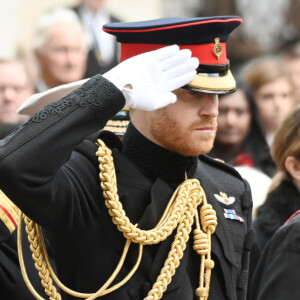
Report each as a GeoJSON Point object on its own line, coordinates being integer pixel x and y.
{"type": "Point", "coordinates": [59, 188]}
{"type": "Point", "coordinates": [277, 274]}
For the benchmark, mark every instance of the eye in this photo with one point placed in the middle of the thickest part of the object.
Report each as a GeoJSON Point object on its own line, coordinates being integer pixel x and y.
{"type": "Point", "coordinates": [240, 112]}
{"type": "Point", "coordinates": [223, 111]}
{"type": "Point", "coordinates": [193, 93]}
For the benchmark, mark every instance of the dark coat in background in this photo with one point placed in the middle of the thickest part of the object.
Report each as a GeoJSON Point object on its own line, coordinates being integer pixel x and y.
{"type": "Point", "coordinates": [280, 204]}
{"type": "Point", "coordinates": [253, 152]}
{"type": "Point", "coordinates": [59, 188]}
{"type": "Point", "coordinates": [94, 64]}
{"type": "Point", "coordinates": [277, 273]}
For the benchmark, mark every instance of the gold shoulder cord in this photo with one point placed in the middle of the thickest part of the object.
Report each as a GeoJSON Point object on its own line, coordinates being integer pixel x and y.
{"type": "Point", "coordinates": [180, 213]}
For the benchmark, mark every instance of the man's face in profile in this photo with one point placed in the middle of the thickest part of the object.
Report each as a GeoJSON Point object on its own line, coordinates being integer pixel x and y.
{"type": "Point", "coordinates": [187, 127]}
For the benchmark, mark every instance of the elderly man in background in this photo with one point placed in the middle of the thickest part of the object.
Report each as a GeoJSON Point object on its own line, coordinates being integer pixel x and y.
{"type": "Point", "coordinates": [60, 48]}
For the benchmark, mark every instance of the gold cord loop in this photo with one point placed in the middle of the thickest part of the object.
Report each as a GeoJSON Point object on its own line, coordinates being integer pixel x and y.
{"type": "Point", "coordinates": [179, 214]}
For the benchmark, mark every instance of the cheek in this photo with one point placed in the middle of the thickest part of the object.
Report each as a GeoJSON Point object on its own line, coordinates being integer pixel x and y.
{"type": "Point", "coordinates": [56, 61]}
{"type": "Point", "coordinates": [222, 122]}
{"type": "Point", "coordinates": [263, 105]}
{"type": "Point", "coordinates": [265, 109]}
{"type": "Point", "coordinates": [245, 126]}
{"type": "Point", "coordinates": [246, 119]}
{"type": "Point", "coordinates": [77, 59]}
{"type": "Point", "coordinates": [176, 113]}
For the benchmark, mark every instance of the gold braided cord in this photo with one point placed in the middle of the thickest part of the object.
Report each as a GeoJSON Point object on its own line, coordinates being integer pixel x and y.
{"type": "Point", "coordinates": [103, 290]}
{"type": "Point", "coordinates": [38, 248]}
{"type": "Point", "coordinates": [180, 213]}
{"type": "Point", "coordinates": [109, 187]}
{"type": "Point", "coordinates": [40, 265]}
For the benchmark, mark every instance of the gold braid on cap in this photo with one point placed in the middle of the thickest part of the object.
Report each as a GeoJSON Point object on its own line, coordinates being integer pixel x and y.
{"type": "Point", "coordinates": [180, 213]}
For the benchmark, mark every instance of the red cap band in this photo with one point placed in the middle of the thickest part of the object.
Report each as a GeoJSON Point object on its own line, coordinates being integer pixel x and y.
{"type": "Point", "coordinates": [203, 52]}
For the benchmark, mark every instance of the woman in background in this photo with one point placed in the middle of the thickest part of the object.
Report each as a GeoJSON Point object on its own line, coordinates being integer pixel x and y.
{"type": "Point", "coordinates": [275, 274]}
{"type": "Point", "coordinates": [240, 140]}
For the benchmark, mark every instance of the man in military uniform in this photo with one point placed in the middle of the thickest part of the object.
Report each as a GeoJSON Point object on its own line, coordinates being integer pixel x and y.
{"type": "Point", "coordinates": [50, 170]}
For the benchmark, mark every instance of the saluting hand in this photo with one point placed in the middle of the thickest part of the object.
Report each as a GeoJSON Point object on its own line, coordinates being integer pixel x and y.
{"type": "Point", "coordinates": [147, 80]}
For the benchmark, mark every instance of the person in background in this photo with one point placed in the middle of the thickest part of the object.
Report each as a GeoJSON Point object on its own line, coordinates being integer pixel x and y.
{"type": "Point", "coordinates": [103, 49]}
{"type": "Point", "coordinates": [291, 61]}
{"type": "Point", "coordinates": [60, 47]}
{"type": "Point", "coordinates": [274, 93]}
{"type": "Point", "coordinates": [276, 275]}
{"type": "Point", "coordinates": [16, 85]}
{"type": "Point", "coordinates": [240, 140]}
{"type": "Point", "coordinates": [173, 109]}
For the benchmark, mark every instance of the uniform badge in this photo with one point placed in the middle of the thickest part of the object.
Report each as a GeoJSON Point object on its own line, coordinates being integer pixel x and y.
{"type": "Point", "coordinates": [231, 214]}
{"type": "Point", "coordinates": [223, 198]}
{"type": "Point", "coordinates": [217, 49]}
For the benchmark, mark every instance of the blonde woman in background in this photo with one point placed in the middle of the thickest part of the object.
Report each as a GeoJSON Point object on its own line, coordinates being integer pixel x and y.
{"type": "Point", "coordinates": [282, 201]}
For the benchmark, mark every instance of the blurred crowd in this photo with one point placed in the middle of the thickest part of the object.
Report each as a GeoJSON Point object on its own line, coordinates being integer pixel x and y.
{"type": "Point", "coordinates": [258, 125]}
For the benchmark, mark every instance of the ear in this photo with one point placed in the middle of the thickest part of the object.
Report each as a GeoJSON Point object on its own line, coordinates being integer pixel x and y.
{"type": "Point", "coordinates": [292, 165]}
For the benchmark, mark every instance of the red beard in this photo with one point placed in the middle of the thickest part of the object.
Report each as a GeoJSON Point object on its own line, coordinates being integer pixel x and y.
{"type": "Point", "coordinates": [185, 141]}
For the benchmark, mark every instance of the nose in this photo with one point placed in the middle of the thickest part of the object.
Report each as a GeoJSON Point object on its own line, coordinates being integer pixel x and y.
{"type": "Point", "coordinates": [277, 99]}
{"type": "Point", "coordinates": [231, 118]}
{"type": "Point", "coordinates": [8, 94]}
{"type": "Point", "coordinates": [69, 56]}
{"type": "Point", "coordinates": [209, 105]}
{"type": "Point", "coordinates": [73, 55]}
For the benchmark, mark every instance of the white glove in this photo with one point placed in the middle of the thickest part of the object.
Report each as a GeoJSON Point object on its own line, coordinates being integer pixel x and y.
{"type": "Point", "coordinates": [147, 80]}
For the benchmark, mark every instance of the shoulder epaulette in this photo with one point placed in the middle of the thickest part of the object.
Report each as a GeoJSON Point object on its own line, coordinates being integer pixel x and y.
{"type": "Point", "coordinates": [9, 213]}
{"type": "Point", "coordinates": [220, 164]}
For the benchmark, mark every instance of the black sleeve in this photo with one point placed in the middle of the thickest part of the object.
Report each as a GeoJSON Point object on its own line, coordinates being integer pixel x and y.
{"type": "Point", "coordinates": [279, 278]}
{"type": "Point", "coordinates": [276, 276]}
{"type": "Point", "coordinates": [31, 158]}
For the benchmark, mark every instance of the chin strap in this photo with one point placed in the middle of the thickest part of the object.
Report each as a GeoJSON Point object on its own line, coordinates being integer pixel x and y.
{"type": "Point", "coordinates": [179, 214]}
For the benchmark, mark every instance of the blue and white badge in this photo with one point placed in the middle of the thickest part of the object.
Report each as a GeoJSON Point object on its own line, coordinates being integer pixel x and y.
{"type": "Point", "coordinates": [231, 214]}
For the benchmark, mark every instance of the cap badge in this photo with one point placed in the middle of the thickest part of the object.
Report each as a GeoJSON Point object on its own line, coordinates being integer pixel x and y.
{"type": "Point", "coordinates": [223, 198]}
{"type": "Point", "coordinates": [217, 50]}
